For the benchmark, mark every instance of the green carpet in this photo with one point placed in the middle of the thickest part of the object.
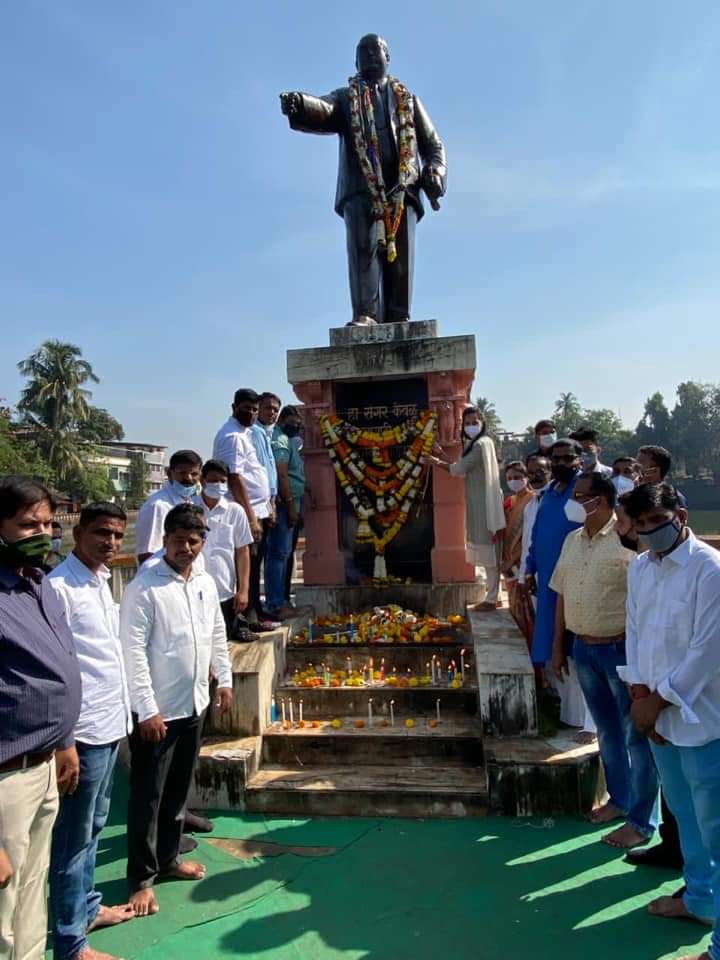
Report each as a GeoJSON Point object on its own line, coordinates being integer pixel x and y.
{"type": "Point", "coordinates": [486, 889]}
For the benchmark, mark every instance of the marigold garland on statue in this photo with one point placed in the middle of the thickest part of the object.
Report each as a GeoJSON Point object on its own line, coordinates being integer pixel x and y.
{"type": "Point", "coordinates": [387, 212]}
{"type": "Point", "coordinates": [381, 489]}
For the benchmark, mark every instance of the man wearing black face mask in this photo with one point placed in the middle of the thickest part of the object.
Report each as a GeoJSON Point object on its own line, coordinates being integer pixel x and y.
{"type": "Point", "coordinates": [39, 707]}
{"type": "Point", "coordinates": [291, 487]}
{"type": "Point", "coordinates": [552, 525]}
{"type": "Point", "coordinates": [673, 670]}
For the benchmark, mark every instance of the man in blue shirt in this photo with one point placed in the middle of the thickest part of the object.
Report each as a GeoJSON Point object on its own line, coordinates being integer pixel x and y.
{"type": "Point", "coordinates": [39, 707]}
{"type": "Point", "coordinates": [262, 432]}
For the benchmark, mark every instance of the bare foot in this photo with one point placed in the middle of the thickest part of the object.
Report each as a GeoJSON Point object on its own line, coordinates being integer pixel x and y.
{"type": "Point", "coordinates": [625, 838]}
{"type": "Point", "coordinates": [144, 903]}
{"type": "Point", "coordinates": [607, 813]}
{"type": "Point", "coordinates": [87, 953]}
{"type": "Point", "coordinates": [585, 738]}
{"type": "Point", "coordinates": [673, 908]}
{"type": "Point", "coordinates": [185, 870]}
{"type": "Point", "coordinates": [695, 956]}
{"type": "Point", "coordinates": [110, 916]}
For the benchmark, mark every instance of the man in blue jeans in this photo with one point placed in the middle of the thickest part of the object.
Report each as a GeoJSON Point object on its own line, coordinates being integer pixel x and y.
{"type": "Point", "coordinates": [81, 582]}
{"type": "Point", "coordinates": [590, 580]}
{"type": "Point", "coordinates": [291, 487]}
{"type": "Point", "coordinates": [673, 667]}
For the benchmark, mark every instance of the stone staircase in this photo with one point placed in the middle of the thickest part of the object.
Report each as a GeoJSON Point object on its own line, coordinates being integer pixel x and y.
{"type": "Point", "coordinates": [373, 763]}
{"type": "Point", "coordinates": [483, 756]}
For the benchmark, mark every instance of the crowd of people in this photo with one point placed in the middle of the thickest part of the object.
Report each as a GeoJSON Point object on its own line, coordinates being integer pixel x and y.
{"type": "Point", "coordinates": [616, 596]}
{"type": "Point", "coordinates": [79, 674]}
{"type": "Point", "coordinates": [618, 600]}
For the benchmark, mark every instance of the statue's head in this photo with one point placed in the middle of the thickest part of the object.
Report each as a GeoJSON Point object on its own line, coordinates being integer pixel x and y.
{"type": "Point", "coordinates": [372, 58]}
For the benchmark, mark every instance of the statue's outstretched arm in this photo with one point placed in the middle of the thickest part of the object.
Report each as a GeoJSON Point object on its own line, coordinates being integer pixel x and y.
{"type": "Point", "coordinates": [311, 114]}
{"type": "Point", "coordinates": [430, 146]}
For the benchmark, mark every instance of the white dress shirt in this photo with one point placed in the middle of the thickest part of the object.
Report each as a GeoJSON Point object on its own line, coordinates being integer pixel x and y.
{"type": "Point", "coordinates": [529, 515]}
{"type": "Point", "coordinates": [673, 638]}
{"type": "Point", "coordinates": [172, 632]}
{"type": "Point", "coordinates": [149, 528]}
{"type": "Point", "coordinates": [229, 531]}
{"type": "Point", "coordinates": [234, 446]}
{"type": "Point", "coordinates": [93, 619]}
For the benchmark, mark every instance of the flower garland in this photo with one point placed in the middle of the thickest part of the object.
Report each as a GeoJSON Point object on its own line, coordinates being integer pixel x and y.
{"type": "Point", "coordinates": [387, 213]}
{"type": "Point", "coordinates": [380, 488]}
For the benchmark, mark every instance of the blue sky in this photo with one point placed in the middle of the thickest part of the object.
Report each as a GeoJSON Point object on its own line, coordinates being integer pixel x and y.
{"type": "Point", "coordinates": [158, 212]}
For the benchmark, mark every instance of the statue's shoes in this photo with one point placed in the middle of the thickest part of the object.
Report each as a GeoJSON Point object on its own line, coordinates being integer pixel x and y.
{"type": "Point", "coordinates": [362, 322]}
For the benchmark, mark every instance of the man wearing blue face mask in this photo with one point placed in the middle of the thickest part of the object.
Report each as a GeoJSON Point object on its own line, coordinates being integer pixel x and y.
{"type": "Point", "coordinates": [227, 547]}
{"type": "Point", "coordinates": [182, 485]}
{"type": "Point", "coordinates": [673, 670]}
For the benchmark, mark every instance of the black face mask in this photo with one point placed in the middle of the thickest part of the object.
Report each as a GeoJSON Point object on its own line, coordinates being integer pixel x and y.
{"type": "Point", "coordinates": [563, 473]}
{"type": "Point", "coordinates": [291, 430]}
{"type": "Point", "coordinates": [244, 417]}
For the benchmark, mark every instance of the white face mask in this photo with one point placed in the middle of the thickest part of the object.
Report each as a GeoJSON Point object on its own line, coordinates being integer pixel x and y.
{"type": "Point", "coordinates": [517, 485]}
{"type": "Point", "coordinates": [574, 511]}
{"type": "Point", "coordinates": [215, 490]}
{"type": "Point", "coordinates": [472, 430]}
{"type": "Point", "coordinates": [547, 440]}
{"type": "Point", "coordinates": [623, 484]}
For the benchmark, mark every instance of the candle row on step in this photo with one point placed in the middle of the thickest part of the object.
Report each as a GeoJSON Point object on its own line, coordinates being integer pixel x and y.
{"type": "Point", "coordinates": [287, 714]}
{"type": "Point", "coordinates": [372, 674]}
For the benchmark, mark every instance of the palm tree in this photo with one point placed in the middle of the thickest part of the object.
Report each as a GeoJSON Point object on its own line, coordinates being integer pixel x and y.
{"type": "Point", "coordinates": [568, 413]}
{"type": "Point", "coordinates": [489, 414]}
{"type": "Point", "coordinates": [55, 402]}
{"type": "Point", "coordinates": [55, 397]}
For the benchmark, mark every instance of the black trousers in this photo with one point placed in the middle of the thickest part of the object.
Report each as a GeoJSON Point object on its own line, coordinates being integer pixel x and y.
{"type": "Point", "coordinates": [668, 830]}
{"type": "Point", "coordinates": [258, 551]}
{"type": "Point", "coordinates": [378, 289]}
{"type": "Point", "coordinates": [160, 777]}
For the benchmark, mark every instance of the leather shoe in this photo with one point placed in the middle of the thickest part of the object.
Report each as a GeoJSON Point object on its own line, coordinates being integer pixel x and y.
{"type": "Point", "coordinates": [657, 856]}
{"type": "Point", "coordinates": [197, 824]}
{"type": "Point", "coordinates": [186, 844]}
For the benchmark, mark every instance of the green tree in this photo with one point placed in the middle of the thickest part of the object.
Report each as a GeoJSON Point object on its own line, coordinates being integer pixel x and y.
{"type": "Point", "coordinates": [100, 426]}
{"type": "Point", "coordinates": [614, 439]}
{"type": "Point", "coordinates": [568, 414]}
{"type": "Point", "coordinates": [655, 425]}
{"type": "Point", "coordinates": [138, 473]}
{"type": "Point", "coordinates": [691, 424]}
{"type": "Point", "coordinates": [55, 396]}
{"type": "Point", "coordinates": [489, 415]}
{"type": "Point", "coordinates": [18, 455]}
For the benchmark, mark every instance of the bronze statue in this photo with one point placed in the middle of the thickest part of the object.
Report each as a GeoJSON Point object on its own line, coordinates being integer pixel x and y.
{"type": "Point", "coordinates": [389, 150]}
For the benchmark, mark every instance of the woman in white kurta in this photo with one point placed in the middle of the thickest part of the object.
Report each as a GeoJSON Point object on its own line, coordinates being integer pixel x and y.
{"type": "Point", "coordinates": [484, 514]}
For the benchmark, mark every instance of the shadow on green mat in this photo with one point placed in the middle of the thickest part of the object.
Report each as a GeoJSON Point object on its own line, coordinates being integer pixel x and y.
{"type": "Point", "coordinates": [490, 889]}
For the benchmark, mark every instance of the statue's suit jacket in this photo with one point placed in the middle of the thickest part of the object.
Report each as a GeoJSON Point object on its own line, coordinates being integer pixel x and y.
{"type": "Point", "coordinates": [331, 114]}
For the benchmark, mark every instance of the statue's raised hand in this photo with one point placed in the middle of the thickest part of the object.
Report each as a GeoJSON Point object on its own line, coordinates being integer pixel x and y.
{"type": "Point", "coordinates": [290, 103]}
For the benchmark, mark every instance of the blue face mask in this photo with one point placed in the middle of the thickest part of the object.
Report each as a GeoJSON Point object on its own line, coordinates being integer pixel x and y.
{"type": "Point", "coordinates": [183, 491]}
{"type": "Point", "coordinates": [662, 538]}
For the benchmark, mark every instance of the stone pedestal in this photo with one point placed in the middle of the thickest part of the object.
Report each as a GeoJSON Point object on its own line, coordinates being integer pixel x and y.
{"type": "Point", "coordinates": [384, 354]}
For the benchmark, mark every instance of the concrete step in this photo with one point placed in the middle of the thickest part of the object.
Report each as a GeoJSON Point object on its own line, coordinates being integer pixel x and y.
{"type": "Point", "coordinates": [402, 656]}
{"type": "Point", "coordinates": [222, 772]}
{"type": "Point", "coordinates": [433, 790]}
{"type": "Point", "coordinates": [448, 742]}
{"type": "Point", "coordinates": [330, 702]}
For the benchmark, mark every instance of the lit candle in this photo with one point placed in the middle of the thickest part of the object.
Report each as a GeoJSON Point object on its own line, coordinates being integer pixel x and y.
{"type": "Point", "coordinates": [394, 671]}
{"type": "Point", "coordinates": [301, 718]}
{"type": "Point", "coordinates": [432, 669]}
{"type": "Point", "coordinates": [292, 718]}
{"type": "Point", "coordinates": [437, 710]}
{"type": "Point", "coordinates": [282, 705]}
{"type": "Point", "coordinates": [348, 664]}
{"type": "Point", "coordinates": [371, 670]}
{"type": "Point", "coordinates": [392, 713]}
{"type": "Point", "coordinates": [382, 669]}
{"type": "Point", "coordinates": [462, 665]}
{"type": "Point", "coordinates": [370, 701]}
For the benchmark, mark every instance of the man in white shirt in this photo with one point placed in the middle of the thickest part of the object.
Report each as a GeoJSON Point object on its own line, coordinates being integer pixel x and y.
{"type": "Point", "coordinates": [673, 669]}
{"type": "Point", "coordinates": [182, 485]}
{"type": "Point", "coordinates": [591, 450]}
{"type": "Point", "coordinates": [173, 634]}
{"type": "Point", "coordinates": [81, 582]}
{"type": "Point", "coordinates": [248, 480]}
{"type": "Point", "coordinates": [227, 547]}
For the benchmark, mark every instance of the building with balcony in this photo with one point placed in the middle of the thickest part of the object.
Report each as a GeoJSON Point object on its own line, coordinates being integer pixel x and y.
{"type": "Point", "coordinates": [117, 457]}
